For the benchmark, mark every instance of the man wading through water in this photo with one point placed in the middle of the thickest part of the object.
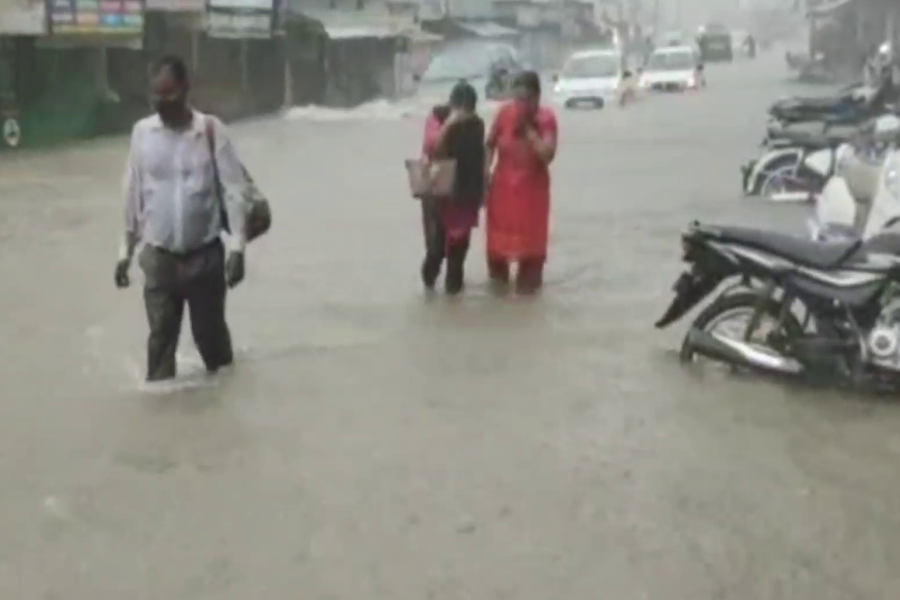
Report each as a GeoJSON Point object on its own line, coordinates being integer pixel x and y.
{"type": "Point", "coordinates": [173, 208]}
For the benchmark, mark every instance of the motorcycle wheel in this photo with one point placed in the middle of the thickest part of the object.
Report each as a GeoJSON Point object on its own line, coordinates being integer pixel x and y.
{"type": "Point", "coordinates": [778, 181]}
{"type": "Point", "coordinates": [763, 178]}
{"type": "Point", "coordinates": [741, 303]}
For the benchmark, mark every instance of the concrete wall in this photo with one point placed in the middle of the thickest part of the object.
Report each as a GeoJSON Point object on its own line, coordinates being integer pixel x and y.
{"type": "Point", "coordinates": [232, 78]}
{"type": "Point", "coordinates": [360, 70]}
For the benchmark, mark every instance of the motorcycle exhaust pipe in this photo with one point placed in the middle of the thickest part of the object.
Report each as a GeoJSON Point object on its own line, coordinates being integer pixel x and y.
{"type": "Point", "coordinates": [741, 353]}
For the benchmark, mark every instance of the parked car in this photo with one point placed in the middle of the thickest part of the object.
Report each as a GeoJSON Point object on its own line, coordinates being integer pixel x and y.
{"type": "Point", "coordinates": [675, 68]}
{"type": "Point", "coordinates": [488, 65]}
{"type": "Point", "coordinates": [589, 78]}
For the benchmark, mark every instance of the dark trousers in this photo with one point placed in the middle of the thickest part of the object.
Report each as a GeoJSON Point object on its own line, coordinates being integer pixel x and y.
{"type": "Point", "coordinates": [437, 250]}
{"type": "Point", "coordinates": [198, 280]}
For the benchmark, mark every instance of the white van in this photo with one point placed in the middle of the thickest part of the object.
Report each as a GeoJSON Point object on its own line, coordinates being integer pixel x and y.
{"type": "Point", "coordinates": [674, 68]}
{"type": "Point", "coordinates": [590, 78]}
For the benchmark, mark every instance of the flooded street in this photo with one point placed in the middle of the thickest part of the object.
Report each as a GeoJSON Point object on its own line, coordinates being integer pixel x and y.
{"type": "Point", "coordinates": [376, 444]}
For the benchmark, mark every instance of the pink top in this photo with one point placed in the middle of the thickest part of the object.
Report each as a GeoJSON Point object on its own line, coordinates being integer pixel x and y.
{"type": "Point", "coordinates": [456, 220]}
{"type": "Point", "coordinates": [432, 129]}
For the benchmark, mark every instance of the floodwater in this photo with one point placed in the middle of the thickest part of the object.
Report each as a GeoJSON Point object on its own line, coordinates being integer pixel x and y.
{"type": "Point", "coordinates": [374, 443]}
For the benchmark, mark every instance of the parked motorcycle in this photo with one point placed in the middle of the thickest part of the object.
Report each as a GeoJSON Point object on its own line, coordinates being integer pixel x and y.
{"type": "Point", "coordinates": [810, 308]}
{"type": "Point", "coordinates": [851, 104]}
{"type": "Point", "coordinates": [791, 166]}
{"type": "Point", "coordinates": [795, 164]}
{"type": "Point", "coordinates": [852, 203]}
{"type": "Point", "coordinates": [813, 69]}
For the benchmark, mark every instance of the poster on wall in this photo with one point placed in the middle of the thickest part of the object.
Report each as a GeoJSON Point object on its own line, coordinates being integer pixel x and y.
{"type": "Point", "coordinates": [122, 17]}
{"type": "Point", "coordinates": [240, 18]}
{"type": "Point", "coordinates": [23, 17]}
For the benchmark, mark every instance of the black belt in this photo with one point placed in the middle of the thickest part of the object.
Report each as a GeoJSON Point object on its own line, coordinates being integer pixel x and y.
{"type": "Point", "coordinates": [189, 253]}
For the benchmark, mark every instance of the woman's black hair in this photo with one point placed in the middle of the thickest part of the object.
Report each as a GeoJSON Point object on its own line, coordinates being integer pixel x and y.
{"type": "Point", "coordinates": [530, 81]}
{"type": "Point", "coordinates": [464, 96]}
{"type": "Point", "coordinates": [441, 112]}
{"type": "Point", "coordinates": [176, 67]}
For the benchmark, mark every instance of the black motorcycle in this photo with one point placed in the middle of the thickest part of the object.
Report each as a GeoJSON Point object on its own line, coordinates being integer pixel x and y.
{"type": "Point", "coordinates": [852, 104]}
{"type": "Point", "coordinates": [826, 309]}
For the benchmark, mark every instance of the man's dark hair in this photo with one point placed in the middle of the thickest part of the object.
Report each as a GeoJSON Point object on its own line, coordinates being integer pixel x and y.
{"type": "Point", "coordinates": [464, 96]}
{"type": "Point", "coordinates": [175, 66]}
{"type": "Point", "coordinates": [530, 81]}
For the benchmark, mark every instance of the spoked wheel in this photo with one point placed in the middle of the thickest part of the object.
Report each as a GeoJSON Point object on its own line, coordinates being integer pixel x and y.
{"type": "Point", "coordinates": [729, 318]}
{"type": "Point", "coordinates": [782, 181]}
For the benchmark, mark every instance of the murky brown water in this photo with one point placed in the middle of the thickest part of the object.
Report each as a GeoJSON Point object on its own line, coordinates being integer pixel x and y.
{"type": "Point", "coordinates": [375, 444]}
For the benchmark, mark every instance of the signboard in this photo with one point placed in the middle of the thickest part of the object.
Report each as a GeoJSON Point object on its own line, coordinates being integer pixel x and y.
{"type": "Point", "coordinates": [23, 17]}
{"type": "Point", "coordinates": [240, 18]}
{"type": "Point", "coordinates": [469, 9]}
{"type": "Point", "coordinates": [96, 17]}
{"type": "Point", "coordinates": [178, 6]}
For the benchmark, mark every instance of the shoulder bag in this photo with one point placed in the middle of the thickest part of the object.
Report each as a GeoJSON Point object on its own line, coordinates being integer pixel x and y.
{"type": "Point", "coordinates": [259, 214]}
{"type": "Point", "coordinates": [431, 179]}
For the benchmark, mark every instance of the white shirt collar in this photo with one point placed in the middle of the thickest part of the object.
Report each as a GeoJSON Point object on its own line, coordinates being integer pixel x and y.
{"type": "Point", "coordinates": [197, 123]}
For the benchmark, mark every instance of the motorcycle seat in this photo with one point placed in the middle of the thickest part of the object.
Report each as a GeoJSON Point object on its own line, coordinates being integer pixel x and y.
{"type": "Point", "coordinates": [801, 250]}
{"type": "Point", "coordinates": [816, 103]}
{"type": "Point", "coordinates": [811, 139]}
{"type": "Point", "coordinates": [800, 107]}
{"type": "Point", "coordinates": [821, 109]}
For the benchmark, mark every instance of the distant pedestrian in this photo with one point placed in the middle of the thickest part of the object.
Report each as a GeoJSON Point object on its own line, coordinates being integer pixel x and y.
{"type": "Point", "coordinates": [750, 44]}
{"type": "Point", "coordinates": [523, 138]}
{"type": "Point", "coordinates": [449, 221]}
{"type": "Point", "coordinates": [174, 209]}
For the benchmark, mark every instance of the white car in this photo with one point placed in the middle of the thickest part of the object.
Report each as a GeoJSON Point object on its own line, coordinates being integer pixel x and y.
{"type": "Point", "coordinates": [589, 78]}
{"type": "Point", "coordinates": [674, 68]}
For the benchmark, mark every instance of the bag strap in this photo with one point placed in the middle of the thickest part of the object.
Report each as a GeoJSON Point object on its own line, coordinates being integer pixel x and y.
{"type": "Point", "coordinates": [210, 134]}
{"type": "Point", "coordinates": [210, 130]}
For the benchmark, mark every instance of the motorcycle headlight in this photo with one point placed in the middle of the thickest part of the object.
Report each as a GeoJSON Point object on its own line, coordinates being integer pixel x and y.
{"type": "Point", "coordinates": [892, 181]}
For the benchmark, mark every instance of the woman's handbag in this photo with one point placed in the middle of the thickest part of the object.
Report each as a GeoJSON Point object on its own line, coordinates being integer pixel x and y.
{"type": "Point", "coordinates": [436, 178]}
{"type": "Point", "coordinates": [259, 215]}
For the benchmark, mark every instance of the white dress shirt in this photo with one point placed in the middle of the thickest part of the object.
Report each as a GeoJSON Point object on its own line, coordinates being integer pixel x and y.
{"type": "Point", "coordinates": [171, 200]}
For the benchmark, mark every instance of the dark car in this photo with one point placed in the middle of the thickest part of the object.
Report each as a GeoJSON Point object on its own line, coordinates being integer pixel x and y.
{"type": "Point", "coordinates": [714, 43]}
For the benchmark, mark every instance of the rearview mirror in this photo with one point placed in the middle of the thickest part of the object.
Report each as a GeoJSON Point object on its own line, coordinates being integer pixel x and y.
{"type": "Point", "coordinates": [700, 66]}
{"type": "Point", "coordinates": [417, 78]}
{"type": "Point", "coordinates": [555, 78]}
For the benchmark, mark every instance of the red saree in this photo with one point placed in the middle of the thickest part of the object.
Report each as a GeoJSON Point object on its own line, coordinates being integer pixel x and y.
{"type": "Point", "coordinates": [518, 203]}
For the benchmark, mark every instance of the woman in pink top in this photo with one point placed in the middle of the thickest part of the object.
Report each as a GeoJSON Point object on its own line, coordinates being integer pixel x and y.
{"type": "Point", "coordinates": [457, 134]}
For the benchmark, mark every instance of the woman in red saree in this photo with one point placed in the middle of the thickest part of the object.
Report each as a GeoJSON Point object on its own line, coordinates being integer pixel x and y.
{"type": "Point", "coordinates": [523, 138]}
